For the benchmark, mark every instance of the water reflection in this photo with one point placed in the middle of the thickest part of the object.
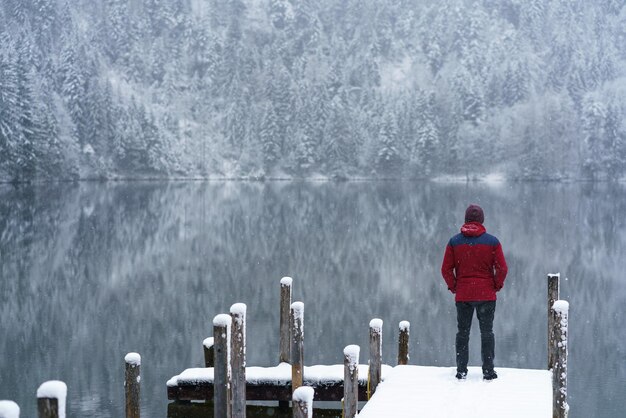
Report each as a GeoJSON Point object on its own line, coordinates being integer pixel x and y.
{"type": "Point", "coordinates": [91, 272]}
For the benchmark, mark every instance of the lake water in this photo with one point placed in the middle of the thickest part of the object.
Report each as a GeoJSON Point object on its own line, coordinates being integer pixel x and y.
{"type": "Point", "coordinates": [90, 272]}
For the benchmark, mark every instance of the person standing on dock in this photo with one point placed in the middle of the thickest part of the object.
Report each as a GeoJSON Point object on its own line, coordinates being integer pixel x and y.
{"type": "Point", "coordinates": [474, 269]}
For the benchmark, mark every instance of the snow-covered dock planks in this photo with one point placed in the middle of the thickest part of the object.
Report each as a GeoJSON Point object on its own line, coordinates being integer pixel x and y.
{"type": "Point", "coordinates": [412, 390]}
{"type": "Point", "coordinates": [417, 391]}
{"type": "Point", "coordinates": [270, 383]}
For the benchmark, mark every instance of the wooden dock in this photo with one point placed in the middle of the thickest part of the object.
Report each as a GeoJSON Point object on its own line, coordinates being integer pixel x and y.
{"type": "Point", "coordinates": [416, 391]}
{"type": "Point", "coordinates": [400, 391]}
{"type": "Point", "coordinates": [269, 383]}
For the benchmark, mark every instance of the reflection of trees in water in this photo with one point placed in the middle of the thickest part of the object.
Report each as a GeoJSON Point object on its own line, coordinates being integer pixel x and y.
{"type": "Point", "coordinates": [145, 267]}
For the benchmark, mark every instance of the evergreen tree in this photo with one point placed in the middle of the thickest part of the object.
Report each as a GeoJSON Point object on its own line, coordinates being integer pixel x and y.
{"type": "Point", "coordinates": [270, 141]}
{"type": "Point", "coordinates": [594, 114]}
{"type": "Point", "coordinates": [9, 105]}
{"type": "Point", "coordinates": [614, 144]}
{"type": "Point", "coordinates": [28, 129]}
{"type": "Point", "coordinates": [388, 158]}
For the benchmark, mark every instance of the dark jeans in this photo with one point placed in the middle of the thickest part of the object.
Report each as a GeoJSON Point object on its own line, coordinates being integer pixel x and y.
{"type": "Point", "coordinates": [485, 312]}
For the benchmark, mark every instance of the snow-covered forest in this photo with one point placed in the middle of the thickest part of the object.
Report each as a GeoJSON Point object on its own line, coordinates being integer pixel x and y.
{"type": "Point", "coordinates": [525, 89]}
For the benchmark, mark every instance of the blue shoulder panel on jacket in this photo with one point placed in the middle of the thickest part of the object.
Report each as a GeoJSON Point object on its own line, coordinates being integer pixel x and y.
{"type": "Point", "coordinates": [484, 239]}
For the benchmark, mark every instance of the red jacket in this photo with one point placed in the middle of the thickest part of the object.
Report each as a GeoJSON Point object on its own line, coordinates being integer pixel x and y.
{"type": "Point", "coordinates": [473, 265]}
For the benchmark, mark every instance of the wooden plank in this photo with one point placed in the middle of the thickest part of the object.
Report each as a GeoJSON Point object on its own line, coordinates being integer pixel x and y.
{"type": "Point", "coordinates": [330, 391]}
{"type": "Point", "coordinates": [420, 391]}
{"type": "Point", "coordinates": [205, 410]}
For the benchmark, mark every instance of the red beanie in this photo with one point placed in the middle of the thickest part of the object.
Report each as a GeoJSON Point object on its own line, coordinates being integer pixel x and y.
{"type": "Point", "coordinates": [474, 213]}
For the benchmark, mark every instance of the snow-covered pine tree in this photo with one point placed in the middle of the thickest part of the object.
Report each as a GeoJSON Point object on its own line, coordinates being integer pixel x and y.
{"type": "Point", "coordinates": [388, 158]}
{"type": "Point", "coordinates": [270, 138]}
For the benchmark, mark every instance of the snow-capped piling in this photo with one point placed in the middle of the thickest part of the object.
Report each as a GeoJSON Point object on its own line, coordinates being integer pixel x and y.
{"type": "Point", "coordinates": [297, 344]}
{"type": "Point", "coordinates": [51, 397]}
{"type": "Point", "coordinates": [560, 407]}
{"type": "Point", "coordinates": [221, 372]}
{"type": "Point", "coordinates": [303, 402]}
{"type": "Point", "coordinates": [132, 384]}
{"type": "Point", "coordinates": [285, 304]}
{"type": "Point", "coordinates": [9, 409]}
{"type": "Point", "coordinates": [553, 296]}
{"type": "Point", "coordinates": [376, 350]}
{"type": "Point", "coordinates": [350, 380]}
{"type": "Point", "coordinates": [403, 342]}
{"type": "Point", "coordinates": [209, 354]}
{"type": "Point", "coordinates": [238, 360]}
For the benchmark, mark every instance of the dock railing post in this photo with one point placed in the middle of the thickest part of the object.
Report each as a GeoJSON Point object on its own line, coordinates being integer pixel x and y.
{"type": "Point", "coordinates": [553, 296]}
{"type": "Point", "coordinates": [285, 304]}
{"type": "Point", "coordinates": [51, 397]}
{"type": "Point", "coordinates": [221, 372]}
{"type": "Point", "coordinates": [285, 327]}
{"type": "Point", "coordinates": [303, 402]}
{"type": "Point", "coordinates": [350, 381]}
{"type": "Point", "coordinates": [560, 407]}
{"type": "Point", "coordinates": [297, 345]}
{"type": "Point", "coordinates": [209, 355]}
{"type": "Point", "coordinates": [132, 384]}
{"type": "Point", "coordinates": [9, 409]}
{"type": "Point", "coordinates": [376, 349]}
{"type": "Point", "coordinates": [238, 360]}
{"type": "Point", "coordinates": [403, 343]}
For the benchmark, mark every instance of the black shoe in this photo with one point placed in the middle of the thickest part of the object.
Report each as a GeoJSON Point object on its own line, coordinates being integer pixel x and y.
{"type": "Point", "coordinates": [489, 375]}
{"type": "Point", "coordinates": [461, 375]}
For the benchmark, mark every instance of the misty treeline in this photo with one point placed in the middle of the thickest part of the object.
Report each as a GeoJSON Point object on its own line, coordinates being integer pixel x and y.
{"type": "Point", "coordinates": [529, 89]}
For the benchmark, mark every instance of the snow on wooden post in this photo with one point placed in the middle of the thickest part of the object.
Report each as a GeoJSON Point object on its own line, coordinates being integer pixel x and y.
{"type": "Point", "coordinates": [350, 380]}
{"type": "Point", "coordinates": [132, 382]}
{"type": "Point", "coordinates": [403, 343]}
{"type": "Point", "coordinates": [560, 408]}
{"type": "Point", "coordinates": [51, 397]}
{"type": "Point", "coordinates": [285, 304]}
{"type": "Point", "coordinates": [553, 296]}
{"type": "Point", "coordinates": [209, 354]}
{"type": "Point", "coordinates": [238, 359]}
{"type": "Point", "coordinates": [376, 350]}
{"type": "Point", "coordinates": [297, 344]}
{"type": "Point", "coordinates": [303, 402]}
{"type": "Point", "coordinates": [221, 370]}
{"type": "Point", "coordinates": [9, 409]}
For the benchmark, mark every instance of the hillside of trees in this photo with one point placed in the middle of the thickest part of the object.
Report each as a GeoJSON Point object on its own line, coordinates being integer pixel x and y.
{"type": "Point", "coordinates": [526, 89]}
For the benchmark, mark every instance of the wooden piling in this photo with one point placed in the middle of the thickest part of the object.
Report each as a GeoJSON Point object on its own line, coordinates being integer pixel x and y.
{"type": "Point", "coordinates": [221, 372]}
{"type": "Point", "coordinates": [297, 344]}
{"type": "Point", "coordinates": [238, 360]}
{"type": "Point", "coordinates": [560, 407]}
{"type": "Point", "coordinates": [285, 305]}
{"type": "Point", "coordinates": [553, 296]}
{"type": "Point", "coordinates": [351, 381]}
{"type": "Point", "coordinates": [9, 409]}
{"type": "Point", "coordinates": [403, 343]}
{"type": "Point", "coordinates": [209, 352]}
{"type": "Point", "coordinates": [132, 383]}
{"type": "Point", "coordinates": [376, 349]}
{"type": "Point", "coordinates": [48, 407]}
{"type": "Point", "coordinates": [51, 397]}
{"type": "Point", "coordinates": [303, 402]}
